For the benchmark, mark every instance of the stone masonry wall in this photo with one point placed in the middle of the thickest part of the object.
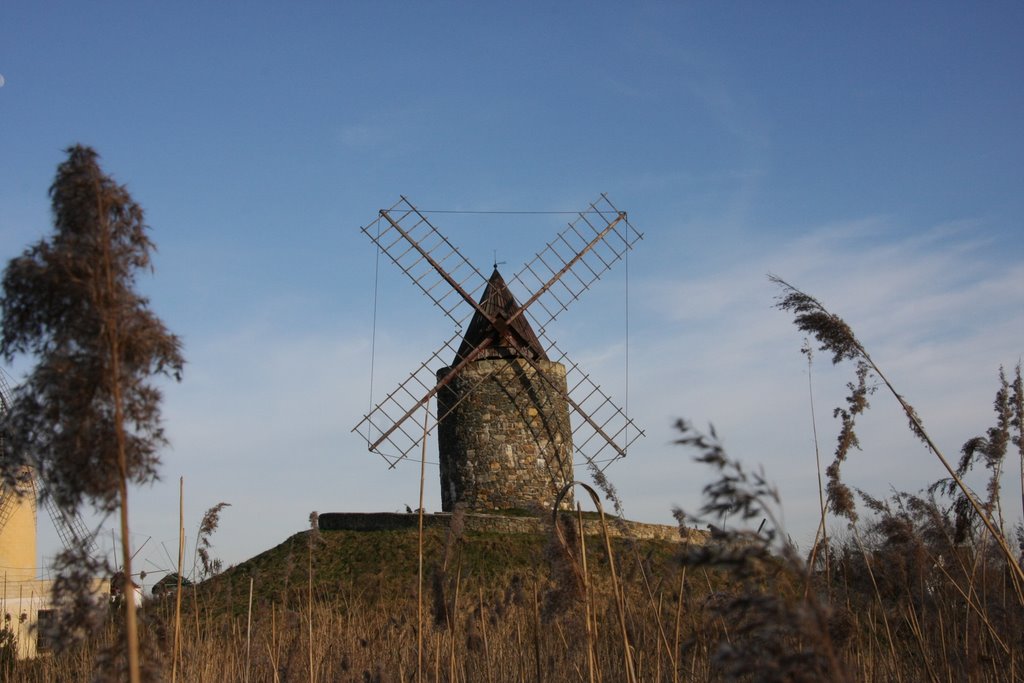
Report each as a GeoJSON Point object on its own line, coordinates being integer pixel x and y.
{"type": "Point", "coordinates": [504, 435]}
{"type": "Point", "coordinates": [396, 521]}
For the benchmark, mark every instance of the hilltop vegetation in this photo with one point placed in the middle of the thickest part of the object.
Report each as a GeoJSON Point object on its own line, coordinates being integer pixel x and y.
{"type": "Point", "coordinates": [383, 565]}
{"type": "Point", "coordinates": [350, 598]}
{"type": "Point", "coordinates": [900, 600]}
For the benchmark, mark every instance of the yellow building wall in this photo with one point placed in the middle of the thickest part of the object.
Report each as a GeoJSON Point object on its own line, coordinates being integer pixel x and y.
{"type": "Point", "coordinates": [18, 539]}
{"type": "Point", "coordinates": [20, 604]}
{"type": "Point", "coordinates": [22, 595]}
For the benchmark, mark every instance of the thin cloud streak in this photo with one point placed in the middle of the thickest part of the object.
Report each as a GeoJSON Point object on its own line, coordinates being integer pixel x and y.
{"type": "Point", "coordinates": [938, 313]}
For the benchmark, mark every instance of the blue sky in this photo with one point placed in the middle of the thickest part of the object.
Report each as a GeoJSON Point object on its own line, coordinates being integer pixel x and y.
{"type": "Point", "coordinates": [870, 154]}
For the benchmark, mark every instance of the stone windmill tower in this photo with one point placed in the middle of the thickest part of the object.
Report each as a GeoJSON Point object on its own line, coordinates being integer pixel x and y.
{"type": "Point", "coordinates": [505, 440]}
{"type": "Point", "coordinates": [513, 411]}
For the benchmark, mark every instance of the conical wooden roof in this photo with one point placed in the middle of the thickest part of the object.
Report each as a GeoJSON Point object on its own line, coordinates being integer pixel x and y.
{"type": "Point", "coordinates": [499, 303]}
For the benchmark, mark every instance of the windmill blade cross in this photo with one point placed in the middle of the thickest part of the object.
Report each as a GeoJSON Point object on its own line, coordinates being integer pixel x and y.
{"type": "Point", "coordinates": [593, 247]}
{"type": "Point", "coordinates": [8, 501]}
{"type": "Point", "coordinates": [603, 424]}
{"type": "Point", "coordinates": [598, 429]}
{"type": "Point", "coordinates": [421, 252]}
{"type": "Point", "coordinates": [567, 267]}
{"type": "Point", "coordinates": [501, 325]}
{"type": "Point", "coordinates": [367, 422]}
{"type": "Point", "coordinates": [428, 259]}
{"type": "Point", "coordinates": [69, 527]}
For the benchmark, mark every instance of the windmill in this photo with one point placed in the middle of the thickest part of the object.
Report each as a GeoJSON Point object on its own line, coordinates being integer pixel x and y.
{"type": "Point", "coordinates": [18, 515]}
{"type": "Point", "coordinates": [504, 389]}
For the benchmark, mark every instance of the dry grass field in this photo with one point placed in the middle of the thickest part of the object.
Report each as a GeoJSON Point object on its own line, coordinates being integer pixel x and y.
{"type": "Point", "coordinates": [904, 602]}
{"type": "Point", "coordinates": [924, 586]}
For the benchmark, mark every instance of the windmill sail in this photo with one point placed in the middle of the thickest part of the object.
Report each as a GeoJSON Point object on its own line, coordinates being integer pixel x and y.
{"type": "Point", "coordinates": [427, 257]}
{"type": "Point", "coordinates": [558, 275]}
{"type": "Point", "coordinates": [576, 259]}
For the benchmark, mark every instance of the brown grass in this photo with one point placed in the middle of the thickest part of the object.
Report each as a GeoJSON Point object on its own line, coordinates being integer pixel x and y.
{"type": "Point", "coordinates": [920, 587]}
{"type": "Point", "coordinates": [727, 610]}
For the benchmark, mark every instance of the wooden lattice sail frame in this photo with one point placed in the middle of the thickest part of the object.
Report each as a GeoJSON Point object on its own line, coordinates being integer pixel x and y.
{"type": "Point", "coordinates": [554, 278]}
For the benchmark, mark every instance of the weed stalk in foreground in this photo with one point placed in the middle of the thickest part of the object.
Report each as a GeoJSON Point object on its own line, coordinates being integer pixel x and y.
{"type": "Point", "coordinates": [766, 634]}
{"type": "Point", "coordinates": [836, 337]}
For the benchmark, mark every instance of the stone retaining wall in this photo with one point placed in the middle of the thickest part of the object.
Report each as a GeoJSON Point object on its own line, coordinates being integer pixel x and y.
{"type": "Point", "coordinates": [396, 521]}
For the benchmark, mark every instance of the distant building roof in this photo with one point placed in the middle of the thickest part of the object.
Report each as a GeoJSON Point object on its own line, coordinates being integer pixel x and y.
{"type": "Point", "coordinates": [500, 304]}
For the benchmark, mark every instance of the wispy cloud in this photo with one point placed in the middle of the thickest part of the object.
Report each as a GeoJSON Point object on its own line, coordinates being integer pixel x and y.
{"type": "Point", "coordinates": [938, 310]}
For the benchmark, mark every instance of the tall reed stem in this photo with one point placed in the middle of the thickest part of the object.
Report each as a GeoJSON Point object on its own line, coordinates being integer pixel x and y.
{"type": "Point", "coordinates": [587, 595]}
{"type": "Point", "coordinates": [177, 594]}
{"type": "Point", "coordinates": [419, 551]}
{"type": "Point", "coordinates": [309, 604]}
{"type": "Point", "coordinates": [837, 337]}
{"type": "Point", "coordinates": [248, 635]}
{"type": "Point", "coordinates": [822, 531]}
{"type": "Point", "coordinates": [620, 598]}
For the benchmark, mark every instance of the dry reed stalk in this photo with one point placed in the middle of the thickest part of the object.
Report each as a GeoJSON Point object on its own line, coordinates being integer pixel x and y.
{"type": "Point", "coordinates": [711, 591]}
{"type": "Point", "coordinates": [248, 635]}
{"type": "Point", "coordinates": [836, 336]}
{"type": "Point", "coordinates": [910, 616]}
{"type": "Point", "coordinates": [536, 631]}
{"type": "Point", "coordinates": [587, 595]}
{"type": "Point", "coordinates": [309, 620]}
{"type": "Point", "coordinates": [942, 643]}
{"type": "Point", "coordinates": [437, 658]}
{"type": "Point", "coordinates": [657, 663]}
{"type": "Point", "coordinates": [693, 659]}
{"type": "Point", "coordinates": [822, 530]}
{"type": "Point", "coordinates": [177, 594]}
{"type": "Point", "coordinates": [679, 614]}
{"type": "Point", "coordinates": [195, 608]}
{"type": "Point", "coordinates": [314, 523]}
{"type": "Point", "coordinates": [650, 594]}
{"type": "Point", "coordinates": [483, 629]}
{"type": "Point", "coordinates": [565, 648]}
{"type": "Point", "coordinates": [419, 551]}
{"type": "Point", "coordinates": [519, 648]}
{"type": "Point", "coordinates": [620, 600]}
{"type": "Point", "coordinates": [121, 437]}
{"type": "Point", "coordinates": [454, 622]}
{"type": "Point", "coordinates": [274, 646]}
{"type": "Point", "coordinates": [971, 604]}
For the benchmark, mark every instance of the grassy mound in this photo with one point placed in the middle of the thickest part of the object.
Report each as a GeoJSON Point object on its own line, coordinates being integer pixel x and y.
{"type": "Point", "coordinates": [383, 565]}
